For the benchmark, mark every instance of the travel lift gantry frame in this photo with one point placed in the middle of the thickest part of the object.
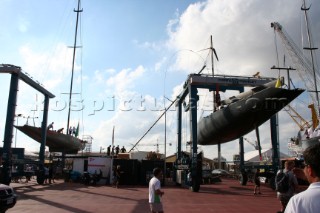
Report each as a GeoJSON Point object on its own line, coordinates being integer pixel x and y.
{"type": "Point", "coordinates": [195, 81]}
{"type": "Point", "coordinates": [16, 75]}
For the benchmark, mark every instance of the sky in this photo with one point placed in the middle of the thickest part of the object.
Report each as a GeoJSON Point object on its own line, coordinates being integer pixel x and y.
{"type": "Point", "coordinates": [133, 53]}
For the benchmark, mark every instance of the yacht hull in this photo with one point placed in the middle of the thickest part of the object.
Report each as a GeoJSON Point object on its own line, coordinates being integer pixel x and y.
{"type": "Point", "coordinates": [57, 142]}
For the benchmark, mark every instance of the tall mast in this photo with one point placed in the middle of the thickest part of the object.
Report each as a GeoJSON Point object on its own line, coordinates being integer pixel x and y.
{"type": "Point", "coordinates": [311, 48]}
{"type": "Point", "coordinates": [211, 47]}
{"type": "Point", "coordinates": [214, 95]}
{"type": "Point", "coordinates": [73, 61]}
{"type": "Point", "coordinates": [213, 51]}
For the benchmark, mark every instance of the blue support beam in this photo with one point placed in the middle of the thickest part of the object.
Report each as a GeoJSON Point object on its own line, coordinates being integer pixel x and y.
{"type": "Point", "coordinates": [190, 87]}
{"type": "Point", "coordinates": [8, 134]}
{"type": "Point", "coordinates": [179, 105]}
{"type": "Point", "coordinates": [41, 175]}
{"type": "Point", "coordinates": [241, 153]}
{"type": "Point", "coordinates": [16, 75]}
{"type": "Point", "coordinates": [274, 127]}
{"type": "Point", "coordinates": [193, 97]}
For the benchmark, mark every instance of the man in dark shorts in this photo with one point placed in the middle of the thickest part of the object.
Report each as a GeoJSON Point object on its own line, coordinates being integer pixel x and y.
{"type": "Point", "coordinates": [256, 182]}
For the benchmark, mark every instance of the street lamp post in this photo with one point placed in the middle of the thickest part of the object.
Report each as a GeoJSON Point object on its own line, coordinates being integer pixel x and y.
{"type": "Point", "coordinates": [165, 136]}
{"type": "Point", "coordinates": [15, 140]}
{"type": "Point", "coordinates": [165, 145]}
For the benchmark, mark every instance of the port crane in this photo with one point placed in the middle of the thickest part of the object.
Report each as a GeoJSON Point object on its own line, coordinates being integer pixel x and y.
{"type": "Point", "coordinates": [297, 118]}
{"type": "Point", "coordinates": [255, 145]}
{"type": "Point", "coordinates": [306, 69]}
{"type": "Point", "coordinates": [157, 145]}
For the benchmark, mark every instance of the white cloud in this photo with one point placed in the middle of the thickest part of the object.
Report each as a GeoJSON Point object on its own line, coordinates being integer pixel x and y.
{"type": "Point", "coordinates": [130, 126]}
{"type": "Point", "coordinates": [98, 77]}
{"type": "Point", "coordinates": [124, 80]}
{"type": "Point", "coordinates": [244, 42]}
{"type": "Point", "coordinates": [50, 69]}
{"type": "Point", "coordinates": [242, 38]}
{"type": "Point", "coordinates": [151, 46]}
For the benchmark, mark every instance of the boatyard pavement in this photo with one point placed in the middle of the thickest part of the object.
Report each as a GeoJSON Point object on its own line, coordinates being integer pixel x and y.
{"type": "Point", "coordinates": [225, 196]}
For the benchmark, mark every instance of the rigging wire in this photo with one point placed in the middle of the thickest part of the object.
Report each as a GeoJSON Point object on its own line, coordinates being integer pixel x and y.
{"type": "Point", "coordinates": [166, 109]}
{"type": "Point", "coordinates": [45, 67]}
{"type": "Point", "coordinates": [208, 72]}
{"type": "Point", "coordinates": [202, 108]}
{"type": "Point", "coordinates": [170, 59]}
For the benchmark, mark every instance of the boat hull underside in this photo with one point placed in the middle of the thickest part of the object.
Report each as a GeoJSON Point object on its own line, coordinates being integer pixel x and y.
{"type": "Point", "coordinates": [243, 116]}
{"type": "Point", "coordinates": [57, 142]}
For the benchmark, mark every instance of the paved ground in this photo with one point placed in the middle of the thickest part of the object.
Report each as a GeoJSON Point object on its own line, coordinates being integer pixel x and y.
{"type": "Point", "coordinates": [227, 196]}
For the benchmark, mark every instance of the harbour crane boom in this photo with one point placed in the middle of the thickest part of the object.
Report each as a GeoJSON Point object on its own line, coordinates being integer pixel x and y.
{"type": "Point", "coordinates": [303, 64]}
{"type": "Point", "coordinates": [256, 147]}
{"type": "Point", "coordinates": [297, 118]}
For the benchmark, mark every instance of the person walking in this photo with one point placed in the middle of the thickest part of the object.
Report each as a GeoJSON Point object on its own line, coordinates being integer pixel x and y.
{"type": "Point", "coordinates": [108, 150]}
{"type": "Point", "coordinates": [46, 174]}
{"type": "Point", "coordinates": [308, 200]}
{"type": "Point", "coordinates": [112, 151]}
{"type": "Point", "coordinates": [256, 179]}
{"type": "Point", "coordinates": [51, 179]}
{"type": "Point", "coordinates": [155, 192]}
{"type": "Point", "coordinates": [118, 176]}
{"type": "Point", "coordinates": [292, 182]}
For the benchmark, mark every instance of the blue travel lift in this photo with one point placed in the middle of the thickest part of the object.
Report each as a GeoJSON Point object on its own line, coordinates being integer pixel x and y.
{"type": "Point", "coordinates": [191, 86]}
{"type": "Point", "coordinates": [16, 75]}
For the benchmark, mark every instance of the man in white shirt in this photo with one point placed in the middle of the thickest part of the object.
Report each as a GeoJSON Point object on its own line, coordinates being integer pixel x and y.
{"type": "Point", "coordinates": [308, 200]}
{"type": "Point", "coordinates": [155, 192]}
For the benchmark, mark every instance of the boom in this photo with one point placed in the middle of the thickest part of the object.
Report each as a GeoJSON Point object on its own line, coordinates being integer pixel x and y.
{"type": "Point", "coordinates": [297, 118]}
{"type": "Point", "coordinates": [303, 64]}
{"type": "Point", "coordinates": [255, 145]}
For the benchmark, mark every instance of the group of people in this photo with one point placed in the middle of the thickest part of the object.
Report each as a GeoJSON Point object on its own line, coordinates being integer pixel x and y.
{"type": "Point", "coordinates": [49, 174]}
{"type": "Point", "coordinates": [115, 150]}
{"type": "Point", "coordinates": [72, 130]}
{"type": "Point", "coordinates": [306, 201]}
{"type": "Point", "coordinates": [303, 202]}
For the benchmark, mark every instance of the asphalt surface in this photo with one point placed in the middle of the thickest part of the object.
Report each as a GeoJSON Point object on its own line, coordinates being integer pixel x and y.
{"type": "Point", "coordinates": [226, 196]}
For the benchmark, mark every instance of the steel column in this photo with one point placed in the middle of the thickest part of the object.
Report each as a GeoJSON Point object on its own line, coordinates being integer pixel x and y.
{"type": "Point", "coordinates": [274, 127]}
{"type": "Point", "coordinates": [40, 176]}
{"type": "Point", "coordinates": [179, 116]}
{"type": "Point", "coordinates": [193, 137]}
{"type": "Point", "coordinates": [241, 153]}
{"type": "Point", "coordinates": [8, 133]}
